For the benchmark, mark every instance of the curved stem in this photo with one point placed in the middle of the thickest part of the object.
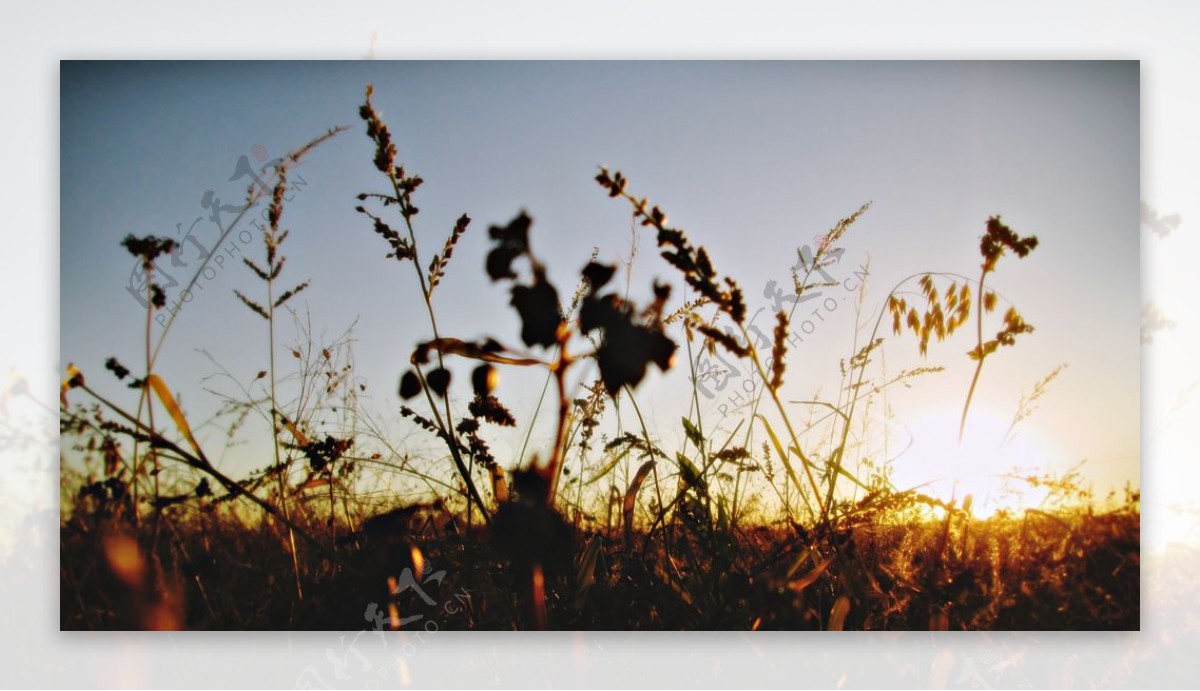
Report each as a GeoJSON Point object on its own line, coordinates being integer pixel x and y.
{"type": "Point", "coordinates": [962, 425]}
{"type": "Point", "coordinates": [281, 467]}
{"type": "Point", "coordinates": [762, 373]}
{"type": "Point", "coordinates": [447, 425]}
{"type": "Point", "coordinates": [199, 462]}
{"type": "Point", "coordinates": [150, 402]}
{"type": "Point", "coordinates": [559, 451]}
{"type": "Point", "coordinates": [657, 485]}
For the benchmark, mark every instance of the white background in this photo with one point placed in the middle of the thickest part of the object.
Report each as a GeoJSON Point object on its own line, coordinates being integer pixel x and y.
{"type": "Point", "coordinates": [34, 37]}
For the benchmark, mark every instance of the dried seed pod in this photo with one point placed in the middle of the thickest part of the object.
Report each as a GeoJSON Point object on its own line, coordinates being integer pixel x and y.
{"type": "Point", "coordinates": [484, 379]}
{"type": "Point", "coordinates": [410, 385]}
{"type": "Point", "coordinates": [439, 381]}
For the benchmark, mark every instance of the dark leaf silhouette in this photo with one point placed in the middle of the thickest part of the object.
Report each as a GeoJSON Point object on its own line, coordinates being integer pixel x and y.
{"type": "Point", "coordinates": [410, 385]}
{"type": "Point", "coordinates": [627, 347]}
{"type": "Point", "coordinates": [538, 307]}
{"type": "Point", "coordinates": [598, 275]}
{"type": "Point", "coordinates": [599, 313]}
{"type": "Point", "coordinates": [512, 241]}
{"type": "Point", "coordinates": [439, 381]}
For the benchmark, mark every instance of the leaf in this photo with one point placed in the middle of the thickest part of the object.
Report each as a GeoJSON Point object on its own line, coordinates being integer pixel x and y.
{"type": "Point", "coordinates": [800, 584]}
{"type": "Point", "coordinates": [181, 423]}
{"type": "Point", "coordinates": [631, 500]}
{"type": "Point", "coordinates": [488, 351]}
{"type": "Point", "coordinates": [693, 434]}
{"type": "Point", "coordinates": [586, 574]}
{"type": "Point", "coordinates": [598, 275]}
{"type": "Point", "coordinates": [783, 456]}
{"type": "Point", "coordinates": [690, 474]}
{"type": "Point", "coordinates": [837, 615]}
{"type": "Point", "coordinates": [512, 241]}
{"type": "Point", "coordinates": [538, 307]}
{"type": "Point", "coordinates": [626, 351]}
{"type": "Point", "coordinates": [837, 466]}
{"type": "Point", "coordinates": [600, 312]}
{"type": "Point", "coordinates": [608, 467]}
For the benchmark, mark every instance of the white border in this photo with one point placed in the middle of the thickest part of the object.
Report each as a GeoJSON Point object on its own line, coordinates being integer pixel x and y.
{"type": "Point", "coordinates": [34, 36]}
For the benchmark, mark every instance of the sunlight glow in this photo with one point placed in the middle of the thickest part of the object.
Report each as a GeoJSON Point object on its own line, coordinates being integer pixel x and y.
{"type": "Point", "coordinates": [979, 466]}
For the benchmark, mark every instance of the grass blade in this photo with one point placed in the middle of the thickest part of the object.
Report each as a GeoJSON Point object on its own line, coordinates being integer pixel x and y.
{"type": "Point", "coordinates": [631, 499]}
{"type": "Point", "coordinates": [783, 457]}
{"type": "Point", "coordinates": [837, 615]}
{"type": "Point", "coordinates": [168, 401]}
{"type": "Point", "coordinates": [608, 467]}
{"type": "Point", "coordinates": [586, 575]}
{"type": "Point", "coordinates": [800, 584]}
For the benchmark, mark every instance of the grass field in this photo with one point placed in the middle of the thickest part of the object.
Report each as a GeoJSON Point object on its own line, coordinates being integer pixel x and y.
{"type": "Point", "coordinates": [780, 524]}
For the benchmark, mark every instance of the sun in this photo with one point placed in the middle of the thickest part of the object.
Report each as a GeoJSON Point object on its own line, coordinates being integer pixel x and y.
{"type": "Point", "coordinates": [980, 465]}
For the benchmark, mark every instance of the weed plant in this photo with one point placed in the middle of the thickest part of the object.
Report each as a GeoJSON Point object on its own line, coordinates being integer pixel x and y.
{"type": "Point", "coordinates": [782, 523]}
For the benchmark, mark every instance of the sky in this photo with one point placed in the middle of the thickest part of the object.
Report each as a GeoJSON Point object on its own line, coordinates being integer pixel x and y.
{"type": "Point", "coordinates": [752, 159]}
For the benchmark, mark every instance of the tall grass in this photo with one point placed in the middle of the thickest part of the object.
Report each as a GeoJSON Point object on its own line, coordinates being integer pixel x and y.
{"type": "Point", "coordinates": [783, 521]}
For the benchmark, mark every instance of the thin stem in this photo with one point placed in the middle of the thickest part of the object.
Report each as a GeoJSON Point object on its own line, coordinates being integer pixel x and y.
{"type": "Point", "coordinates": [962, 425]}
{"type": "Point", "coordinates": [252, 199]}
{"type": "Point", "coordinates": [447, 427]}
{"type": "Point", "coordinates": [452, 442]}
{"type": "Point", "coordinates": [558, 454]}
{"type": "Point", "coordinates": [536, 410]}
{"type": "Point", "coordinates": [657, 489]}
{"type": "Point", "coordinates": [150, 401]}
{"type": "Point", "coordinates": [199, 462]}
{"type": "Point", "coordinates": [787, 425]}
{"type": "Point", "coordinates": [281, 468]}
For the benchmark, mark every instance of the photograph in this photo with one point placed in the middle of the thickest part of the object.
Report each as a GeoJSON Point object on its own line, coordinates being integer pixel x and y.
{"type": "Point", "coordinates": [789, 345]}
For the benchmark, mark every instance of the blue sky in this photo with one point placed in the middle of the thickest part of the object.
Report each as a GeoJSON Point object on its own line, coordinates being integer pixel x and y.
{"type": "Point", "coordinates": [753, 159]}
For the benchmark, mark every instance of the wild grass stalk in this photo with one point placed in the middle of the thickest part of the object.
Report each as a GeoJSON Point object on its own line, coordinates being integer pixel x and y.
{"type": "Point", "coordinates": [148, 250]}
{"type": "Point", "coordinates": [870, 556]}
{"type": "Point", "coordinates": [402, 187]}
{"type": "Point", "coordinates": [698, 272]}
{"type": "Point", "coordinates": [273, 238]}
